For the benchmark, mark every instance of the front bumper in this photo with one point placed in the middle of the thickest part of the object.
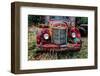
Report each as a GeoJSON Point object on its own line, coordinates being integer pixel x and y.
{"type": "Point", "coordinates": [55, 47]}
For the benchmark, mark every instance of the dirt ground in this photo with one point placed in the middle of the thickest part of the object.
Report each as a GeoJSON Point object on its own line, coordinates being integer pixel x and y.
{"type": "Point", "coordinates": [35, 53]}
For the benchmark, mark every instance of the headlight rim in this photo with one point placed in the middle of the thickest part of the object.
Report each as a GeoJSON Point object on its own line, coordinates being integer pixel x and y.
{"type": "Point", "coordinates": [73, 34]}
{"type": "Point", "coordinates": [46, 36]}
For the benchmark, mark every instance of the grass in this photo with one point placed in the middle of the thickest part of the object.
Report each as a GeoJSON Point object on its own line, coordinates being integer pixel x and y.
{"type": "Point", "coordinates": [34, 53]}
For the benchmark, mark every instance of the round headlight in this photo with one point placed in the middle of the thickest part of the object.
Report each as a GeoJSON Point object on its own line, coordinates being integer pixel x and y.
{"type": "Point", "coordinates": [46, 36]}
{"type": "Point", "coordinates": [73, 34]}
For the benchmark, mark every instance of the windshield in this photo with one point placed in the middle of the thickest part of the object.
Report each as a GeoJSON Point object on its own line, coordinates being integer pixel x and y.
{"type": "Point", "coordinates": [58, 18]}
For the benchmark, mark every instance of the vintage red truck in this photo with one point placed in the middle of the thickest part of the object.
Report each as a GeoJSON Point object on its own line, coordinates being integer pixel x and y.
{"type": "Point", "coordinates": [58, 36]}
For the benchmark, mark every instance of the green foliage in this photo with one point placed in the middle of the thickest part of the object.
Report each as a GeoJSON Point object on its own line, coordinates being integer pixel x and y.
{"type": "Point", "coordinates": [35, 19]}
{"type": "Point", "coordinates": [84, 20]}
{"type": "Point", "coordinates": [81, 20]}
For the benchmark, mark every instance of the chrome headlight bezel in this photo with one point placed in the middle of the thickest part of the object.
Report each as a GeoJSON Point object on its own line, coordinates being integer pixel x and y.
{"type": "Point", "coordinates": [46, 36]}
{"type": "Point", "coordinates": [73, 35]}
